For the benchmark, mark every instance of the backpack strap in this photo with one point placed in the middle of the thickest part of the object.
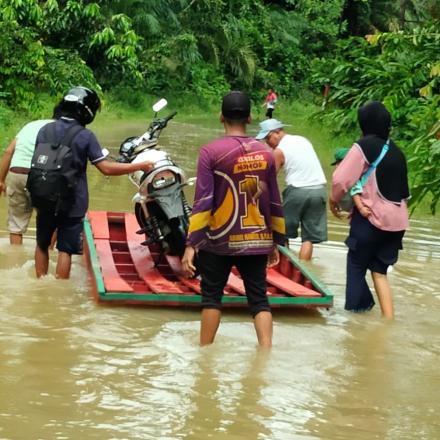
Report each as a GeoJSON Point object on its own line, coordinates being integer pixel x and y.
{"type": "Point", "coordinates": [51, 133]}
{"type": "Point", "coordinates": [70, 134]}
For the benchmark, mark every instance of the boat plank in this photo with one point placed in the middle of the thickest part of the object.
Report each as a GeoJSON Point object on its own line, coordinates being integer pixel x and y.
{"type": "Point", "coordinates": [112, 280]}
{"type": "Point", "coordinates": [236, 284]}
{"type": "Point", "coordinates": [176, 266]}
{"type": "Point", "coordinates": [99, 223]}
{"type": "Point", "coordinates": [288, 286]}
{"type": "Point", "coordinates": [143, 260]}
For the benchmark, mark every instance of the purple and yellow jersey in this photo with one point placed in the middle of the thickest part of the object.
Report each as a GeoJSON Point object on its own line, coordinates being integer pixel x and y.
{"type": "Point", "coordinates": [237, 207]}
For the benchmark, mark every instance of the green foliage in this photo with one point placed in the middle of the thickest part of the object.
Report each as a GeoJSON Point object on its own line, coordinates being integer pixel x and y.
{"type": "Point", "coordinates": [21, 70]}
{"type": "Point", "coordinates": [208, 84]}
{"type": "Point", "coordinates": [58, 44]}
{"type": "Point", "coordinates": [203, 48]}
{"type": "Point", "coordinates": [403, 71]}
{"type": "Point", "coordinates": [6, 115]}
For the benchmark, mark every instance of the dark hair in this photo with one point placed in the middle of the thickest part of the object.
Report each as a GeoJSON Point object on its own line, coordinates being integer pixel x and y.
{"type": "Point", "coordinates": [57, 111]}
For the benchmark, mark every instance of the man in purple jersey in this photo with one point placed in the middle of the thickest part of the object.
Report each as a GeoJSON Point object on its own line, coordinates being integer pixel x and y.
{"type": "Point", "coordinates": [237, 220]}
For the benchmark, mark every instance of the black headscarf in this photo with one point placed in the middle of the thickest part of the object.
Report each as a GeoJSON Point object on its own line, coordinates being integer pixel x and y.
{"type": "Point", "coordinates": [391, 173]}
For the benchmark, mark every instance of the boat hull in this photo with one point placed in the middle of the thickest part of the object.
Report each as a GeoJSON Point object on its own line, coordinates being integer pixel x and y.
{"type": "Point", "coordinates": [123, 271]}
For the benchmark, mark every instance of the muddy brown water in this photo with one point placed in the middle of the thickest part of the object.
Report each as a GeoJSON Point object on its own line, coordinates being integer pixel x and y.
{"type": "Point", "coordinates": [72, 369]}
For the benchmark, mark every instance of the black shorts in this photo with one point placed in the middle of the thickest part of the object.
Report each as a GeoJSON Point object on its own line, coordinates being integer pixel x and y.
{"type": "Point", "coordinates": [215, 269]}
{"type": "Point", "coordinates": [370, 247]}
{"type": "Point", "coordinates": [69, 232]}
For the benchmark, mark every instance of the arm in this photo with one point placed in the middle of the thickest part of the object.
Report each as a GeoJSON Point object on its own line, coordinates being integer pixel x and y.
{"type": "Point", "coordinates": [203, 201]}
{"type": "Point", "coordinates": [107, 167]}
{"type": "Point", "coordinates": [364, 210]}
{"type": "Point", "coordinates": [348, 173]}
{"type": "Point", "coordinates": [278, 225]}
{"type": "Point", "coordinates": [279, 158]}
{"type": "Point", "coordinates": [110, 168]}
{"type": "Point", "coordinates": [5, 164]}
{"type": "Point", "coordinates": [276, 208]}
{"type": "Point", "coordinates": [201, 212]}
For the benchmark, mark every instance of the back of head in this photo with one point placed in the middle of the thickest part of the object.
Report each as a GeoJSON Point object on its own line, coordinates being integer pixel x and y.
{"type": "Point", "coordinates": [267, 126]}
{"type": "Point", "coordinates": [374, 119]}
{"type": "Point", "coordinates": [81, 104]}
{"type": "Point", "coordinates": [236, 107]}
{"type": "Point", "coordinates": [58, 110]}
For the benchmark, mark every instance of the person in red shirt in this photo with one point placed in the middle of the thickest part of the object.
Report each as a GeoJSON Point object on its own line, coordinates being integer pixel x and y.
{"type": "Point", "coordinates": [237, 220]}
{"type": "Point", "coordinates": [270, 102]}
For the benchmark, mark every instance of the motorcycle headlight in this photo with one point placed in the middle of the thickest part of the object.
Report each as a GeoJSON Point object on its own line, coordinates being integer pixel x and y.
{"type": "Point", "coordinates": [163, 179]}
{"type": "Point", "coordinates": [127, 147]}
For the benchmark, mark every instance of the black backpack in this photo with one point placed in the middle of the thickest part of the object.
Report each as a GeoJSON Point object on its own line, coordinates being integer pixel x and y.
{"type": "Point", "coordinates": [54, 171]}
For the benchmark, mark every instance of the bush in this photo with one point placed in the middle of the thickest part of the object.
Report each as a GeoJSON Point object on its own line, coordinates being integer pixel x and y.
{"type": "Point", "coordinates": [403, 71]}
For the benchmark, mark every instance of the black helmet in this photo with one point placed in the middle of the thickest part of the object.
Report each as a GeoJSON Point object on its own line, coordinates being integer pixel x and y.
{"type": "Point", "coordinates": [81, 103]}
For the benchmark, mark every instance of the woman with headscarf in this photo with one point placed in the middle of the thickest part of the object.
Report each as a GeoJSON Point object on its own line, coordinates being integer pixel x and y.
{"type": "Point", "coordinates": [374, 241]}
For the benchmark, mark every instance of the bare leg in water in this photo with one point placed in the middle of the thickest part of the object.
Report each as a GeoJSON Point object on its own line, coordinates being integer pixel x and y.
{"type": "Point", "coordinates": [383, 291]}
{"type": "Point", "coordinates": [209, 325]}
{"type": "Point", "coordinates": [306, 251]}
{"type": "Point", "coordinates": [15, 238]}
{"type": "Point", "coordinates": [64, 264]}
{"type": "Point", "coordinates": [211, 320]}
{"type": "Point", "coordinates": [41, 262]}
{"type": "Point", "coordinates": [264, 328]}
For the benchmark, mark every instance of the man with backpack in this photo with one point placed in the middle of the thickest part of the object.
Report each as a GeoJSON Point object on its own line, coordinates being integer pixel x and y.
{"type": "Point", "coordinates": [57, 181]}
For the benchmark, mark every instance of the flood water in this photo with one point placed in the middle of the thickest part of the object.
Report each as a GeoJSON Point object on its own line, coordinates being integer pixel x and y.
{"type": "Point", "coordinates": [73, 369]}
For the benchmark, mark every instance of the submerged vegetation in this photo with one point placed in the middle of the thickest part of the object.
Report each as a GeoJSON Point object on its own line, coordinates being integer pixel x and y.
{"type": "Point", "coordinates": [196, 50]}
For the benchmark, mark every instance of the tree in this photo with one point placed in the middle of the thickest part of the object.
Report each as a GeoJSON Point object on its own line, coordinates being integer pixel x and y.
{"type": "Point", "coordinates": [403, 71]}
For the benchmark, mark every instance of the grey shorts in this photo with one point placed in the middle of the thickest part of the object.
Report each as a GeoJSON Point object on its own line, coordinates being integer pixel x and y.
{"type": "Point", "coordinates": [19, 203]}
{"type": "Point", "coordinates": [306, 207]}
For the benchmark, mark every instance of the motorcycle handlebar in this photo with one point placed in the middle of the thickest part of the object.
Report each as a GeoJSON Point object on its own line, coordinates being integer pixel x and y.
{"type": "Point", "coordinates": [169, 117]}
{"type": "Point", "coordinates": [160, 124]}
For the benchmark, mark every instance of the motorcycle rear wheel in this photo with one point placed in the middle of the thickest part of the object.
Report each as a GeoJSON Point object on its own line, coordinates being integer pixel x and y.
{"type": "Point", "coordinates": [174, 241]}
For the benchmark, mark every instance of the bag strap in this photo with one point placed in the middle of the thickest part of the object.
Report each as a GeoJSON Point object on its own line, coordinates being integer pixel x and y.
{"type": "Point", "coordinates": [52, 134]}
{"type": "Point", "coordinates": [70, 134]}
{"type": "Point", "coordinates": [379, 158]}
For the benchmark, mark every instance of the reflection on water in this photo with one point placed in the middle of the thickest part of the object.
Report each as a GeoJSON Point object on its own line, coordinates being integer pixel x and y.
{"type": "Point", "coordinates": [71, 369]}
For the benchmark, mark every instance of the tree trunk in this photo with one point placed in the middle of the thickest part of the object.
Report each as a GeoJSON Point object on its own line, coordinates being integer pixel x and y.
{"type": "Point", "coordinates": [403, 6]}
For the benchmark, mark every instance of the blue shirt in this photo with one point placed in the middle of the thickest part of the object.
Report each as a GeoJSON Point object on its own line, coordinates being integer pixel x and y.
{"type": "Point", "coordinates": [86, 147]}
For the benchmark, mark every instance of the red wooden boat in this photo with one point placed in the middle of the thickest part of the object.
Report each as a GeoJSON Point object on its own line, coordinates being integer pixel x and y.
{"type": "Point", "coordinates": [124, 271]}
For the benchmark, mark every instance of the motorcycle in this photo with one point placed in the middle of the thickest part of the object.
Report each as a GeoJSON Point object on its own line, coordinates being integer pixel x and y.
{"type": "Point", "coordinates": [160, 206]}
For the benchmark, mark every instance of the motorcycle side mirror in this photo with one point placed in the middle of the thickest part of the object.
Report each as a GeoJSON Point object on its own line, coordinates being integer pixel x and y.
{"type": "Point", "coordinates": [191, 181]}
{"type": "Point", "coordinates": [159, 105]}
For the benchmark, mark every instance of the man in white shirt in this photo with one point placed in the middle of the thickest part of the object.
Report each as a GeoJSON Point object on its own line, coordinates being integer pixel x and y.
{"type": "Point", "coordinates": [305, 195]}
